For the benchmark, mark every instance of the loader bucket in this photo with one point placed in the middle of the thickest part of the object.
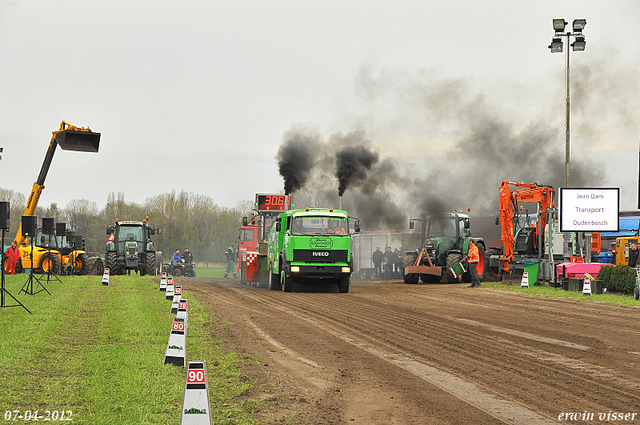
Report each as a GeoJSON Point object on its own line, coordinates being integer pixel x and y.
{"type": "Point", "coordinates": [84, 141]}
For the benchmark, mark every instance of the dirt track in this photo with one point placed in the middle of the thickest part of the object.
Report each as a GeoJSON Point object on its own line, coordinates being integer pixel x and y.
{"type": "Point", "coordinates": [390, 353]}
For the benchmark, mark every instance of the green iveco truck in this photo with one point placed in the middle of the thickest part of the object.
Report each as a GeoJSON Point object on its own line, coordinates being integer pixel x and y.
{"type": "Point", "coordinates": [310, 245]}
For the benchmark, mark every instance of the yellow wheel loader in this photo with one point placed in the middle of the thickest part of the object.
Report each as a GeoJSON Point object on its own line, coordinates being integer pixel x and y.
{"type": "Point", "coordinates": [45, 258]}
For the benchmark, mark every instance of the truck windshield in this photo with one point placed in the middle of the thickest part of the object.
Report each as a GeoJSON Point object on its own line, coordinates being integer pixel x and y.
{"type": "Point", "coordinates": [130, 233]}
{"type": "Point", "coordinates": [320, 226]}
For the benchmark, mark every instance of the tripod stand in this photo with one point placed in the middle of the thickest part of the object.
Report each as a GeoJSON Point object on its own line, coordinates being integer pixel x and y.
{"type": "Point", "coordinates": [3, 291]}
{"type": "Point", "coordinates": [49, 272]}
{"type": "Point", "coordinates": [28, 287]}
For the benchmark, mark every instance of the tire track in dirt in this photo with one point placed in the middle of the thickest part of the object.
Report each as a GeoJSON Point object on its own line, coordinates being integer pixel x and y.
{"type": "Point", "coordinates": [388, 319]}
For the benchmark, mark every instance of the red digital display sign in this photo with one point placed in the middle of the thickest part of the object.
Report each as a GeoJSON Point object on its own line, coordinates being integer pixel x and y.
{"type": "Point", "coordinates": [273, 202]}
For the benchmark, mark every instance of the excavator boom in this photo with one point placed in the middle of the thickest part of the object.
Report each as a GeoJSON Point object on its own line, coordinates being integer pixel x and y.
{"type": "Point", "coordinates": [527, 192]}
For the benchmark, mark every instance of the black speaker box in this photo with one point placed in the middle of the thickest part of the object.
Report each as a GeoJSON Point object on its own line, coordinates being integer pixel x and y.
{"type": "Point", "coordinates": [5, 215]}
{"type": "Point", "coordinates": [61, 229]}
{"type": "Point", "coordinates": [29, 225]}
{"type": "Point", "coordinates": [48, 225]}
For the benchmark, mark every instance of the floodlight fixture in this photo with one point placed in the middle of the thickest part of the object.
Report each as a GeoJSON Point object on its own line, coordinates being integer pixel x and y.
{"type": "Point", "coordinates": [579, 45]}
{"type": "Point", "coordinates": [559, 24]}
{"type": "Point", "coordinates": [556, 45]}
{"type": "Point", "coordinates": [579, 24]}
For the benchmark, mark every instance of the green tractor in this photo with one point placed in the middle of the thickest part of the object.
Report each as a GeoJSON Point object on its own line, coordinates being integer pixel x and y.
{"type": "Point", "coordinates": [130, 248]}
{"type": "Point", "coordinates": [444, 241]}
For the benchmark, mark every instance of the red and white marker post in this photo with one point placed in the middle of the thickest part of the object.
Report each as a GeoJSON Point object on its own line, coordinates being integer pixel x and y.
{"type": "Point", "coordinates": [177, 345]}
{"type": "Point", "coordinates": [105, 277]}
{"type": "Point", "coordinates": [195, 404]}
{"type": "Point", "coordinates": [163, 282]}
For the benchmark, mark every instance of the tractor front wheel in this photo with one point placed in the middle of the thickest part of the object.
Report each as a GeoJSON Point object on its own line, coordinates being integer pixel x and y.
{"type": "Point", "coordinates": [111, 263]}
{"type": "Point", "coordinates": [409, 260]}
{"type": "Point", "coordinates": [50, 263]}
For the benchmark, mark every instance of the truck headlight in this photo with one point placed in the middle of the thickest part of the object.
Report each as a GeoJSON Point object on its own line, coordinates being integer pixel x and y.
{"type": "Point", "coordinates": [346, 270]}
{"type": "Point", "coordinates": [295, 269]}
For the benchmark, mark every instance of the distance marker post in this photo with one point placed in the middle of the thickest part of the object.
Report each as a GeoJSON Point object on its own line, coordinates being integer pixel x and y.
{"type": "Point", "coordinates": [183, 314]}
{"type": "Point", "coordinates": [176, 347]}
{"type": "Point", "coordinates": [163, 282]}
{"type": "Point", "coordinates": [105, 277]}
{"type": "Point", "coordinates": [525, 280]}
{"type": "Point", "coordinates": [175, 302]}
{"type": "Point", "coordinates": [169, 293]}
{"type": "Point", "coordinates": [195, 404]}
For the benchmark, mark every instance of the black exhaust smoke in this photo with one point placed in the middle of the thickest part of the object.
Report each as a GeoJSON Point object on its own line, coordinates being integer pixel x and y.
{"type": "Point", "coordinates": [295, 159]}
{"type": "Point", "coordinates": [352, 164]}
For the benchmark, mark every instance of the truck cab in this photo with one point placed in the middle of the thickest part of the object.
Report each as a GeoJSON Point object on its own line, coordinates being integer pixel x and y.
{"type": "Point", "coordinates": [310, 245]}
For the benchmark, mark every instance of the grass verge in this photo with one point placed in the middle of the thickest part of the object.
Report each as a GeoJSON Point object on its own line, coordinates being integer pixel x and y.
{"type": "Point", "coordinates": [546, 291]}
{"type": "Point", "coordinates": [98, 352]}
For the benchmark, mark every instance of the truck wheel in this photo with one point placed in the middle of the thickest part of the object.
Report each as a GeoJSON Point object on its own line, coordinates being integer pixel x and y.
{"type": "Point", "coordinates": [274, 281]}
{"type": "Point", "coordinates": [343, 284]}
{"type": "Point", "coordinates": [111, 263]}
{"type": "Point", "coordinates": [409, 260]}
{"type": "Point", "coordinates": [286, 282]}
{"type": "Point", "coordinates": [50, 263]}
{"type": "Point", "coordinates": [452, 258]}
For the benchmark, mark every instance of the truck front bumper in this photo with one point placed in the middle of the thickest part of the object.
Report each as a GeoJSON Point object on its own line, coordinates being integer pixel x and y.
{"type": "Point", "coordinates": [317, 271]}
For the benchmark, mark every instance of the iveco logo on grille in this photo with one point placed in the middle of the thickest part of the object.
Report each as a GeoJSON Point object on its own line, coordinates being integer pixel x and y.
{"type": "Point", "coordinates": [320, 254]}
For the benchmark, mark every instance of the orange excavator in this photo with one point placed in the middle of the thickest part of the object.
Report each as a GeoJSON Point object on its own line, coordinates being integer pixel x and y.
{"type": "Point", "coordinates": [519, 237]}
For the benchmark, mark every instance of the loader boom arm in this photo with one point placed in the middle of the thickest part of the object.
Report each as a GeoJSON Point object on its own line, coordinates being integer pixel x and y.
{"type": "Point", "coordinates": [70, 137]}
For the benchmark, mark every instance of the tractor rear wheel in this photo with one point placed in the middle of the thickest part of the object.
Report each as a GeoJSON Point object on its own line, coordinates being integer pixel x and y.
{"type": "Point", "coordinates": [452, 258]}
{"type": "Point", "coordinates": [409, 260]}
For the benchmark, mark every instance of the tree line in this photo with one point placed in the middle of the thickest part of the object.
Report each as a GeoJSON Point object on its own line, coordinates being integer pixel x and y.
{"type": "Point", "coordinates": [187, 220]}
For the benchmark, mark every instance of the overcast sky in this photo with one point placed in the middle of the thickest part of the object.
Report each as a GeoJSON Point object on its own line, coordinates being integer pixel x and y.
{"type": "Point", "coordinates": [197, 95]}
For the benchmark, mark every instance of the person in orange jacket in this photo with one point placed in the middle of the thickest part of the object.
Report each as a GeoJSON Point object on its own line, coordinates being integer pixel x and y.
{"type": "Point", "coordinates": [473, 257]}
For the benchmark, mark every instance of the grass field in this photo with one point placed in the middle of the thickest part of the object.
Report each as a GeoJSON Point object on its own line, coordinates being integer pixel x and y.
{"type": "Point", "coordinates": [213, 270]}
{"type": "Point", "coordinates": [545, 291]}
{"type": "Point", "coordinates": [98, 352]}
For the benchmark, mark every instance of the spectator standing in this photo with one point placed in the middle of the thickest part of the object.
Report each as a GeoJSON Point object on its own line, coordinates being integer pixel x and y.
{"type": "Point", "coordinates": [398, 263]}
{"type": "Point", "coordinates": [633, 254]}
{"type": "Point", "coordinates": [377, 258]}
{"type": "Point", "coordinates": [187, 256]}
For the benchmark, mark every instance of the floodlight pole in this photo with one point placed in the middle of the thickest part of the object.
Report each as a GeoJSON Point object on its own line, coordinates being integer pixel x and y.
{"type": "Point", "coordinates": [578, 26]}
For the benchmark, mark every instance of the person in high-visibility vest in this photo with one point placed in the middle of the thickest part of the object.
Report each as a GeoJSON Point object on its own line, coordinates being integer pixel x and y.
{"type": "Point", "coordinates": [473, 257]}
